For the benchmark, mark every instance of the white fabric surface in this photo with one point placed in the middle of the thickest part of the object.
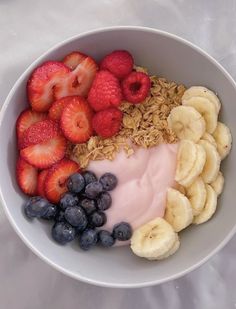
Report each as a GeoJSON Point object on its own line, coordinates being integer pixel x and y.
{"type": "Point", "coordinates": [28, 28]}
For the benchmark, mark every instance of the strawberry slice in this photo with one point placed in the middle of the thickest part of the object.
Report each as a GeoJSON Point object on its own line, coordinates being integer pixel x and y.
{"type": "Point", "coordinates": [26, 176]}
{"type": "Point", "coordinates": [26, 119]}
{"type": "Point", "coordinates": [79, 81]}
{"type": "Point", "coordinates": [73, 59]}
{"type": "Point", "coordinates": [41, 181]}
{"type": "Point", "coordinates": [55, 110]}
{"type": "Point", "coordinates": [39, 132]}
{"type": "Point", "coordinates": [76, 120]}
{"type": "Point", "coordinates": [44, 82]}
{"type": "Point", "coordinates": [55, 182]}
{"type": "Point", "coordinates": [45, 154]}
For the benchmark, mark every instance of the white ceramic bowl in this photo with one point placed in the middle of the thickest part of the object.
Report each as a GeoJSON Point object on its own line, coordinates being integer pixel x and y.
{"type": "Point", "coordinates": [163, 54]}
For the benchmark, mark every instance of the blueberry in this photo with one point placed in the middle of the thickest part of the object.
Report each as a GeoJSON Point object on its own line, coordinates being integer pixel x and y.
{"type": "Point", "coordinates": [88, 239]}
{"type": "Point", "coordinates": [89, 177]}
{"type": "Point", "coordinates": [51, 213]}
{"type": "Point", "coordinates": [76, 217]}
{"type": "Point", "coordinates": [68, 200]}
{"type": "Point", "coordinates": [108, 181]}
{"type": "Point", "coordinates": [63, 232]}
{"type": "Point", "coordinates": [97, 218]}
{"type": "Point", "coordinates": [104, 201]}
{"type": "Point", "coordinates": [60, 217]}
{"type": "Point", "coordinates": [105, 239]}
{"type": "Point", "coordinates": [122, 231]}
{"type": "Point", "coordinates": [88, 205]}
{"type": "Point", "coordinates": [76, 183]}
{"type": "Point", "coordinates": [36, 207]}
{"type": "Point", "coordinates": [93, 189]}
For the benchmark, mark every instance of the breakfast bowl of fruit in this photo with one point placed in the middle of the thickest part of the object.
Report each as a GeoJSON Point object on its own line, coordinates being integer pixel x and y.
{"type": "Point", "coordinates": [117, 159]}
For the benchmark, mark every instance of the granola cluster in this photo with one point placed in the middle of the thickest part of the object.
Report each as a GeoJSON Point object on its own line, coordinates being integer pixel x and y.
{"type": "Point", "coordinates": [144, 124]}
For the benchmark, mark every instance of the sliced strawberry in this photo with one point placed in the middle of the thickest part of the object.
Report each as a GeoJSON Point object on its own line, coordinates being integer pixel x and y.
{"type": "Point", "coordinates": [44, 82]}
{"type": "Point", "coordinates": [45, 154]}
{"type": "Point", "coordinates": [26, 176]}
{"type": "Point", "coordinates": [39, 132]}
{"type": "Point", "coordinates": [76, 120]}
{"type": "Point", "coordinates": [79, 81]}
{"type": "Point", "coordinates": [55, 182]}
{"type": "Point", "coordinates": [26, 119]}
{"type": "Point", "coordinates": [41, 181]}
{"type": "Point", "coordinates": [55, 110]}
{"type": "Point", "coordinates": [73, 59]}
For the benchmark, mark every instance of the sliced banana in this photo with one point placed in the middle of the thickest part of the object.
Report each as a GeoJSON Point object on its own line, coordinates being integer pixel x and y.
{"type": "Point", "coordinates": [200, 91]}
{"type": "Point", "coordinates": [208, 137]}
{"type": "Point", "coordinates": [153, 239]}
{"type": "Point", "coordinates": [218, 184]}
{"type": "Point", "coordinates": [212, 165]}
{"type": "Point", "coordinates": [196, 169]}
{"type": "Point", "coordinates": [206, 108]}
{"type": "Point", "coordinates": [196, 194]}
{"type": "Point", "coordinates": [209, 207]}
{"type": "Point", "coordinates": [173, 249]}
{"type": "Point", "coordinates": [178, 210]}
{"type": "Point", "coordinates": [223, 139]}
{"type": "Point", "coordinates": [187, 123]}
{"type": "Point", "coordinates": [186, 157]}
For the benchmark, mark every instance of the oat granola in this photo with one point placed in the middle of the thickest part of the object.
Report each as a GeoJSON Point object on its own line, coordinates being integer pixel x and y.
{"type": "Point", "coordinates": [143, 124]}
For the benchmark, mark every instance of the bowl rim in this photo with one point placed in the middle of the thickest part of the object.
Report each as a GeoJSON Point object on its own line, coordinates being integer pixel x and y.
{"type": "Point", "coordinates": [2, 199]}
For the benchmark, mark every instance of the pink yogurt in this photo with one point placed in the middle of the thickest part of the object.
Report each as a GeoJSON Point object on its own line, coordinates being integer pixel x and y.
{"type": "Point", "coordinates": [143, 180]}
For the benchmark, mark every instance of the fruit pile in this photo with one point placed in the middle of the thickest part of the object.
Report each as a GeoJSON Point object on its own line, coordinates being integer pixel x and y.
{"type": "Point", "coordinates": [80, 211]}
{"type": "Point", "coordinates": [112, 83]}
{"type": "Point", "coordinates": [204, 142]}
{"type": "Point", "coordinates": [71, 101]}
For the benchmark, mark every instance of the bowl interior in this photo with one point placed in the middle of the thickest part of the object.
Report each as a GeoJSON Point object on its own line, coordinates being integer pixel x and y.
{"type": "Point", "coordinates": [163, 55]}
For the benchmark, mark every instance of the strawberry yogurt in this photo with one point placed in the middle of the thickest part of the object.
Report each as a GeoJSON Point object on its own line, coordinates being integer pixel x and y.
{"type": "Point", "coordinates": [143, 180]}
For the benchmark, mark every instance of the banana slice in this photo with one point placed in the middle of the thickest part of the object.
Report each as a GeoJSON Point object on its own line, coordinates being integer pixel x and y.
{"type": "Point", "coordinates": [173, 249]}
{"type": "Point", "coordinates": [153, 239]}
{"type": "Point", "coordinates": [187, 123]}
{"type": "Point", "coordinates": [196, 169]}
{"type": "Point", "coordinates": [208, 137]}
{"type": "Point", "coordinates": [200, 91]}
{"type": "Point", "coordinates": [209, 207]}
{"type": "Point", "coordinates": [218, 184]}
{"type": "Point", "coordinates": [206, 108]}
{"type": "Point", "coordinates": [223, 139]}
{"type": "Point", "coordinates": [212, 165]}
{"type": "Point", "coordinates": [178, 210]}
{"type": "Point", "coordinates": [196, 194]}
{"type": "Point", "coordinates": [186, 157]}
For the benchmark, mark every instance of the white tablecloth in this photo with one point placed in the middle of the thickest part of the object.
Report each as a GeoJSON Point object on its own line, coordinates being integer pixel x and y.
{"type": "Point", "coordinates": [28, 28]}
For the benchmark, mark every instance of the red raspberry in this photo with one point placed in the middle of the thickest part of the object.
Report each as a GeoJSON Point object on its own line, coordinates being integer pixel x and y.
{"type": "Point", "coordinates": [107, 123]}
{"type": "Point", "coordinates": [105, 91]}
{"type": "Point", "coordinates": [119, 62]}
{"type": "Point", "coordinates": [136, 87]}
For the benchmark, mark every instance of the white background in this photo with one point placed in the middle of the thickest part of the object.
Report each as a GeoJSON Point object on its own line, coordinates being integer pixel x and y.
{"type": "Point", "coordinates": [28, 28]}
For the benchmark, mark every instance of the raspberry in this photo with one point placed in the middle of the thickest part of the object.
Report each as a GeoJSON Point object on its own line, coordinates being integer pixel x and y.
{"type": "Point", "coordinates": [105, 91]}
{"type": "Point", "coordinates": [119, 62]}
{"type": "Point", "coordinates": [107, 123]}
{"type": "Point", "coordinates": [136, 87]}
